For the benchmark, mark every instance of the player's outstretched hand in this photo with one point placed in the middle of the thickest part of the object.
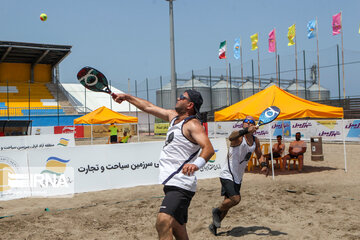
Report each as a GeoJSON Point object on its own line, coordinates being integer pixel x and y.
{"type": "Point", "coordinates": [189, 169]}
{"type": "Point", "coordinates": [265, 170]}
{"type": "Point", "coordinates": [119, 97]}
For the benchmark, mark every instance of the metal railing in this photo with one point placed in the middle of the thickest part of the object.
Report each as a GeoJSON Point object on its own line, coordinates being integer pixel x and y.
{"type": "Point", "coordinates": [32, 111]}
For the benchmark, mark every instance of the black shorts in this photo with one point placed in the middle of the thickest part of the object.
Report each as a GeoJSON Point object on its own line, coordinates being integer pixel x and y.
{"type": "Point", "coordinates": [293, 156]}
{"type": "Point", "coordinates": [275, 155]}
{"type": "Point", "coordinates": [176, 203]}
{"type": "Point", "coordinates": [229, 188]}
{"type": "Point", "coordinates": [113, 139]}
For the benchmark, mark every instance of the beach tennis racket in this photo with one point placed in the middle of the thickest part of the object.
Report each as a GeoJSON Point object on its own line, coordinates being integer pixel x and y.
{"type": "Point", "coordinates": [268, 115]}
{"type": "Point", "coordinates": [94, 80]}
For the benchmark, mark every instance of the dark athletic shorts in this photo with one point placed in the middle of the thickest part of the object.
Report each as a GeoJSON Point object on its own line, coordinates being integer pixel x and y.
{"type": "Point", "coordinates": [293, 156]}
{"type": "Point", "coordinates": [176, 203]}
{"type": "Point", "coordinates": [275, 155]}
{"type": "Point", "coordinates": [229, 188]}
{"type": "Point", "coordinates": [113, 138]}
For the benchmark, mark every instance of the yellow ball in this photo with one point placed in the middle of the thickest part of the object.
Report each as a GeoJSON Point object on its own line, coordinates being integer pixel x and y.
{"type": "Point", "coordinates": [43, 17]}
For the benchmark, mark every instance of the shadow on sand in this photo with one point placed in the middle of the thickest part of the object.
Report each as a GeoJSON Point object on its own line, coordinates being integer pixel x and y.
{"type": "Point", "coordinates": [255, 230]}
{"type": "Point", "coordinates": [306, 169]}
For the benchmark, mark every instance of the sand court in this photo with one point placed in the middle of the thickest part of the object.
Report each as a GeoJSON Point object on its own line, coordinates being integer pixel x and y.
{"type": "Point", "coordinates": [321, 202]}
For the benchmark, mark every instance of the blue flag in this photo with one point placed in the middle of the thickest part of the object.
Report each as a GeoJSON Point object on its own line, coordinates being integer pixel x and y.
{"type": "Point", "coordinates": [311, 28]}
{"type": "Point", "coordinates": [237, 48]}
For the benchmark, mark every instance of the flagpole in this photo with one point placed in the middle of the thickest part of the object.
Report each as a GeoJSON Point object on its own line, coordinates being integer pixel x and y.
{"type": "Point", "coordinates": [242, 75]}
{"type": "Point", "coordinates": [276, 60]}
{"type": "Point", "coordinates": [296, 73]}
{"type": "Point", "coordinates": [259, 67]}
{"type": "Point", "coordinates": [342, 53]}
{"type": "Point", "coordinates": [227, 82]}
{"type": "Point", "coordinates": [318, 61]}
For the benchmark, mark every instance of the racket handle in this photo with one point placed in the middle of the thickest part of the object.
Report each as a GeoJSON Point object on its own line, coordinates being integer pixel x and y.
{"type": "Point", "coordinates": [113, 95]}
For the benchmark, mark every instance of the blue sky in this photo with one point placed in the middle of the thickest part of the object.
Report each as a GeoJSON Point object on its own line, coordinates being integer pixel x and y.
{"type": "Point", "coordinates": [130, 39]}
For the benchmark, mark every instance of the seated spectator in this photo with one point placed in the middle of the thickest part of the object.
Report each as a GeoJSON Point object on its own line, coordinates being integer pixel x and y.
{"type": "Point", "coordinates": [277, 149]}
{"type": "Point", "coordinates": [125, 138]}
{"type": "Point", "coordinates": [297, 149]}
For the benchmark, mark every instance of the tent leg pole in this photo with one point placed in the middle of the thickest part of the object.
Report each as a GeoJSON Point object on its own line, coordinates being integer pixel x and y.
{"type": "Point", "coordinates": [91, 135]}
{"type": "Point", "coordinates": [343, 132]}
{"type": "Point", "coordinates": [271, 153]}
{"type": "Point", "coordinates": [214, 129]}
{"type": "Point", "coordinates": [138, 132]}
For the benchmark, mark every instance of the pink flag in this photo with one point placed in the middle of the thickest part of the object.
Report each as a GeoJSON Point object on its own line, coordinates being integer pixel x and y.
{"type": "Point", "coordinates": [336, 23]}
{"type": "Point", "coordinates": [272, 41]}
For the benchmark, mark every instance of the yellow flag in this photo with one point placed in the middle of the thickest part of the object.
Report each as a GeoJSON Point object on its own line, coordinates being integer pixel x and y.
{"type": "Point", "coordinates": [254, 41]}
{"type": "Point", "coordinates": [291, 35]}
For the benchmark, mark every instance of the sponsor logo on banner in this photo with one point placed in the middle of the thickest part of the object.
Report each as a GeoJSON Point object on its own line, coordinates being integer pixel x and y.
{"type": "Point", "coordinates": [302, 125]}
{"type": "Point", "coordinates": [329, 133]}
{"type": "Point", "coordinates": [63, 142]}
{"type": "Point", "coordinates": [238, 125]}
{"type": "Point", "coordinates": [261, 133]}
{"type": "Point", "coordinates": [55, 179]}
{"type": "Point", "coordinates": [77, 130]}
{"type": "Point", "coordinates": [213, 158]}
{"type": "Point", "coordinates": [55, 165]}
{"type": "Point", "coordinates": [354, 129]}
{"type": "Point", "coordinates": [210, 165]}
{"type": "Point", "coordinates": [330, 124]}
{"type": "Point", "coordinates": [8, 167]}
{"type": "Point", "coordinates": [161, 128]}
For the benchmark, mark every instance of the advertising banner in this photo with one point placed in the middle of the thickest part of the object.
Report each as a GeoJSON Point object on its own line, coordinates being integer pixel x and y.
{"type": "Point", "coordinates": [103, 167]}
{"type": "Point", "coordinates": [36, 142]}
{"type": "Point", "coordinates": [11, 163]}
{"type": "Point", "coordinates": [329, 130]}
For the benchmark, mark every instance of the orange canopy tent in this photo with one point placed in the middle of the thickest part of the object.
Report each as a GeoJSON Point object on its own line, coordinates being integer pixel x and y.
{"type": "Point", "coordinates": [291, 107]}
{"type": "Point", "coordinates": [103, 115]}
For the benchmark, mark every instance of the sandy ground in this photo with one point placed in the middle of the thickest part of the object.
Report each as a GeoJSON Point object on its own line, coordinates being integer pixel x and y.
{"type": "Point", "coordinates": [322, 202]}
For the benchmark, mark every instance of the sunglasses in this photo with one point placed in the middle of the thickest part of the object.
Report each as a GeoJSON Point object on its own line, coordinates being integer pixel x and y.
{"type": "Point", "coordinates": [182, 97]}
{"type": "Point", "coordinates": [249, 121]}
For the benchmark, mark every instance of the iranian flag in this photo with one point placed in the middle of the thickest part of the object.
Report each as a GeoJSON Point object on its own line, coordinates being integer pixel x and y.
{"type": "Point", "coordinates": [222, 50]}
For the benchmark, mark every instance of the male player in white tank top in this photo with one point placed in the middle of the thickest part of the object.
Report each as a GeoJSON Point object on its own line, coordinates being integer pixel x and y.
{"type": "Point", "coordinates": [242, 145]}
{"type": "Point", "coordinates": [178, 160]}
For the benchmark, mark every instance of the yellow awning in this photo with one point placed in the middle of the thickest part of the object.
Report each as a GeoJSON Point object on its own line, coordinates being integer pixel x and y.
{"type": "Point", "coordinates": [291, 107]}
{"type": "Point", "coordinates": [104, 115]}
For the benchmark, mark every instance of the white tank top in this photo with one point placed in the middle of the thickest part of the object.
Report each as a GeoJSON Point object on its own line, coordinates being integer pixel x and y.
{"type": "Point", "coordinates": [236, 162]}
{"type": "Point", "coordinates": [177, 151]}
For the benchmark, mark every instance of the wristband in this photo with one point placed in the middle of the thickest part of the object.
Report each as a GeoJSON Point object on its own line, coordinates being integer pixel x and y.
{"type": "Point", "coordinates": [199, 162]}
{"type": "Point", "coordinates": [263, 164]}
{"type": "Point", "coordinates": [243, 131]}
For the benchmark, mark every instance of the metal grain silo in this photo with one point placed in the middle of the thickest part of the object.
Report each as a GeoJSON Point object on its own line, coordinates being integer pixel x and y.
{"type": "Point", "coordinates": [220, 94]}
{"type": "Point", "coordinates": [300, 90]}
{"type": "Point", "coordinates": [314, 92]}
{"type": "Point", "coordinates": [163, 96]}
{"type": "Point", "coordinates": [269, 85]}
{"type": "Point", "coordinates": [247, 89]}
{"type": "Point", "coordinates": [200, 87]}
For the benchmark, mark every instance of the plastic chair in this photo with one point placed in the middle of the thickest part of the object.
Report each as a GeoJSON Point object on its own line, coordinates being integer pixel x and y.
{"type": "Point", "coordinates": [252, 162]}
{"type": "Point", "coordinates": [294, 165]}
{"type": "Point", "coordinates": [265, 148]}
{"type": "Point", "coordinates": [278, 162]}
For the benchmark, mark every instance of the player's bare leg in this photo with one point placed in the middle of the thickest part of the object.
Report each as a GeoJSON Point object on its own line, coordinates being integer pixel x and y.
{"type": "Point", "coordinates": [167, 226]}
{"type": "Point", "coordinates": [163, 226]}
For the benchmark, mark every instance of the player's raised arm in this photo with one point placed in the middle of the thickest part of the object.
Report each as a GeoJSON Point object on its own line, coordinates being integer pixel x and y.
{"type": "Point", "coordinates": [146, 106]}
